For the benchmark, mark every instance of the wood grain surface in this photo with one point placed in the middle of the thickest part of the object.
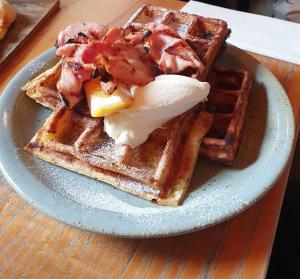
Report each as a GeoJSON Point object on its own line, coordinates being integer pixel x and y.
{"type": "Point", "coordinates": [30, 14]}
{"type": "Point", "coordinates": [35, 246]}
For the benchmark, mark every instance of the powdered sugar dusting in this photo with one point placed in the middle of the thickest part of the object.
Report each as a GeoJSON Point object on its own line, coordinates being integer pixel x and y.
{"type": "Point", "coordinates": [96, 194]}
{"type": "Point", "coordinates": [36, 67]}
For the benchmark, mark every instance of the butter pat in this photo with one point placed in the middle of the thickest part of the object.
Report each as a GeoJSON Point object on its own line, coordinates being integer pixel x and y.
{"type": "Point", "coordinates": [154, 104]}
{"type": "Point", "coordinates": [101, 104]}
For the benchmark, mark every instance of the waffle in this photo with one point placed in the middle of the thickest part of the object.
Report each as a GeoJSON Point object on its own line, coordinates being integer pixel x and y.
{"type": "Point", "coordinates": [205, 35]}
{"type": "Point", "coordinates": [227, 101]}
{"type": "Point", "coordinates": [158, 170]}
{"type": "Point", "coordinates": [43, 88]}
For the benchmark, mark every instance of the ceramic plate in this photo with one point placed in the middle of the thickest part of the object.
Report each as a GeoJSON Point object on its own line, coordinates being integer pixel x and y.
{"type": "Point", "coordinates": [216, 192]}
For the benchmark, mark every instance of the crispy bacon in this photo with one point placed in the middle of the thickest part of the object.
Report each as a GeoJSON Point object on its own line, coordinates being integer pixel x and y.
{"type": "Point", "coordinates": [81, 33]}
{"type": "Point", "coordinates": [73, 74]}
{"type": "Point", "coordinates": [126, 57]}
{"type": "Point", "coordinates": [126, 60]}
{"type": "Point", "coordinates": [67, 50]}
{"type": "Point", "coordinates": [84, 52]}
{"type": "Point", "coordinates": [108, 84]}
{"type": "Point", "coordinates": [171, 53]}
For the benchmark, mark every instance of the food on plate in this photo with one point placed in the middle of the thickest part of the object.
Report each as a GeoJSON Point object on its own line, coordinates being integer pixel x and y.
{"type": "Point", "coordinates": [112, 57]}
{"type": "Point", "coordinates": [227, 101]}
{"type": "Point", "coordinates": [43, 89]}
{"type": "Point", "coordinates": [102, 104]}
{"type": "Point", "coordinates": [154, 105]}
{"type": "Point", "coordinates": [129, 104]}
{"type": "Point", "coordinates": [206, 36]}
{"type": "Point", "coordinates": [88, 31]}
{"type": "Point", "coordinates": [7, 17]}
{"type": "Point", "coordinates": [158, 170]}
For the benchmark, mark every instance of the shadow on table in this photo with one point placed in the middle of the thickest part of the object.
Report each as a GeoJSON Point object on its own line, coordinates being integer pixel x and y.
{"type": "Point", "coordinates": [285, 258]}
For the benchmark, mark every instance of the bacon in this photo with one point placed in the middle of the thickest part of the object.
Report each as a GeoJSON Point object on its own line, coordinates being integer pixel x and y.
{"type": "Point", "coordinates": [84, 52]}
{"type": "Point", "coordinates": [81, 33]}
{"type": "Point", "coordinates": [74, 38]}
{"type": "Point", "coordinates": [127, 61]}
{"type": "Point", "coordinates": [109, 87]}
{"type": "Point", "coordinates": [67, 50]}
{"type": "Point", "coordinates": [73, 74]}
{"type": "Point", "coordinates": [126, 58]}
{"type": "Point", "coordinates": [171, 53]}
{"type": "Point", "coordinates": [88, 53]}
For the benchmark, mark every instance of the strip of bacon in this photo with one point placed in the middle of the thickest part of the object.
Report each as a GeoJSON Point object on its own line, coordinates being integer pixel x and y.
{"type": "Point", "coordinates": [171, 53]}
{"type": "Point", "coordinates": [81, 33]}
{"type": "Point", "coordinates": [126, 61]}
{"type": "Point", "coordinates": [67, 50]}
{"type": "Point", "coordinates": [86, 53]}
{"type": "Point", "coordinates": [73, 74]}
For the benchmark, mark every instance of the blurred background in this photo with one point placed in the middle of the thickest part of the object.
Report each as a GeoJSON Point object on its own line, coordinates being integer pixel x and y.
{"type": "Point", "coordinates": [283, 9]}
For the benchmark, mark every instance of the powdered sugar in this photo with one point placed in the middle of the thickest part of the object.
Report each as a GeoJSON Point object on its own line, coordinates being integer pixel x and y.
{"type": "Point", "coordinates": [95, 194]}
{"type": "Point", "coordinates": [36, 67]}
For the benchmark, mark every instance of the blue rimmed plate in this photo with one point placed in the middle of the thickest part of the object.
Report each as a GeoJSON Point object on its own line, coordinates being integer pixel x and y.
{"type": "Point", "coordinates": [216, 192]}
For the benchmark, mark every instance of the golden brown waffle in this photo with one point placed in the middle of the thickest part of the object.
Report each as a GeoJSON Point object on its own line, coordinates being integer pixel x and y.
{"type": "Point", "coordinates": [227, 101]}
{"type": "Point", "coordinates": [205, 35]}
{"type": "Point", "coordinates": [158, 170]}
{"type": "Point", "coordinates": [43, 88]}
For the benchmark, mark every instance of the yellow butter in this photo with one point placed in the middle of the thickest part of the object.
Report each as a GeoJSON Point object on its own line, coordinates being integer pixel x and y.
{"type": "Point", "coordinates": [101, 104]}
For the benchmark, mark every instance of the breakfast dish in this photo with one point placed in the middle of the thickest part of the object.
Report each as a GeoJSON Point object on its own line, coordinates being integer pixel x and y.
{"type": "Point", "coordinates": [7, 17]}
{"type": "Point", "coordinates": [215, 193]}
{"type": "Point", "coordinates": [159, 170]}
{"type": "Point", "coordinates": [120, 114]}
{"type": "Point", "coordinates": [227, 101]}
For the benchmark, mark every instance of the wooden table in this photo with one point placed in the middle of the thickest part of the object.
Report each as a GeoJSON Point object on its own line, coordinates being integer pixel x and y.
{"type": "Point", "coordinates": [35, 246]}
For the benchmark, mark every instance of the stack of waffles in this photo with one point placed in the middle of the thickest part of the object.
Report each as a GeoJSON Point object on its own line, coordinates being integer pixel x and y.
{"type": "Point", "coordinates": [160, 169]}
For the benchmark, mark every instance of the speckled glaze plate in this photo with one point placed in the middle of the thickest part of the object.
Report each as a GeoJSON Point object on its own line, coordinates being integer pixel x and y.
{"type": "Point", "coordinates": [216, 193]}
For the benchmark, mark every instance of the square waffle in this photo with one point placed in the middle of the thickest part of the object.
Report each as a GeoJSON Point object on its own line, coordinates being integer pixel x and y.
{"type": "Point", "coordinates": [205, 35]}
{"type": "Point", "coordinates": [158, 170]}
{"type": "Point", "coordinates": [43, 88]}
{"type": "Point", "coordinates": [227, 101]}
